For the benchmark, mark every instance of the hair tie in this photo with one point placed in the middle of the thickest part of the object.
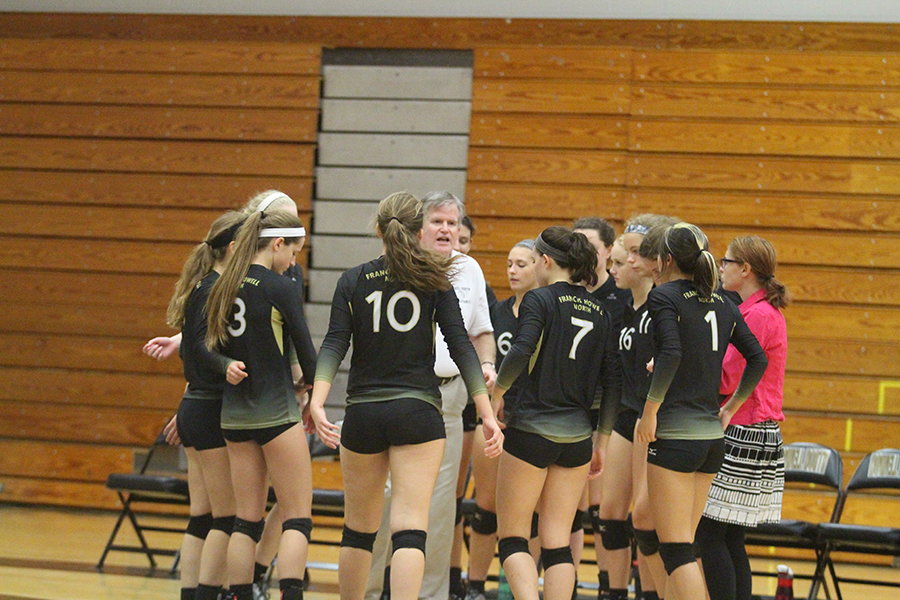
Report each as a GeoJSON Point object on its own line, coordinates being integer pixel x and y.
{"type": "Point", "coordinates": [395, 219]}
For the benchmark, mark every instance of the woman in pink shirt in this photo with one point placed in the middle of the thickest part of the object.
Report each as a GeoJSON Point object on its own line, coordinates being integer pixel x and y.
{"type": "Point", "coordinates": [748, 488]}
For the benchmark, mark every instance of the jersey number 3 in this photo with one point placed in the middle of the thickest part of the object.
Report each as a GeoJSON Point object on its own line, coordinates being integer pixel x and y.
{"type": "Point", "coordinates": [583, 328]}
{"type": "Point", "coordinates": [239, 319]}
{"type": "Point", "coordinates": [375, 300]}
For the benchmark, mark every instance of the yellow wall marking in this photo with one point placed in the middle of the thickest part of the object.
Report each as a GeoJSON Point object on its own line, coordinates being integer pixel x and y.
{"type": "Point", "coordinates": [849, 435]}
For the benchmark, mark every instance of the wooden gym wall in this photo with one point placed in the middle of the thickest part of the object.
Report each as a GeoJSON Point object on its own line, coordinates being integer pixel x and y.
{"type": "Point", "coordinates": [785, 130]}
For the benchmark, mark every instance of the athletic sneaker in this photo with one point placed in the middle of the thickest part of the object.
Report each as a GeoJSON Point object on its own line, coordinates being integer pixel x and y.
{"type": "Point", "coordinates": [260, 590]}
{"type": "Point", "coordinates": [455, 596]}
{"type": "Point", "coordinates": [474, 595]}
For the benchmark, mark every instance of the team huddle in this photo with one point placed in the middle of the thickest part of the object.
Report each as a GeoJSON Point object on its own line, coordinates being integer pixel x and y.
{"type": "Point", "coordinates": [634, 379]}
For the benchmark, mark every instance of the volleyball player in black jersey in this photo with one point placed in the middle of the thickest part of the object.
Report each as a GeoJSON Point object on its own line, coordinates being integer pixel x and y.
{"type": "Point", "coordinates": [564, 341]}
{"type": "Point", "coordinates": [625, 477]}
{"type": "Point", "coordinates": [388, 307]}
{"type": "Point", "coordinates": [504, 318]}
{"type": "Point", "coordinates": [252, 311]}
{"type": "Point", "coordinates": [197, 420]}
{"type": "Point", "coordinates": [682, 422]}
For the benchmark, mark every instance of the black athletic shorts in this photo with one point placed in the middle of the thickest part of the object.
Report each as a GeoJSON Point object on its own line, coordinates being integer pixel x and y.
{"type": "Point", "coordinates": [540, 452]}
{"type": "Point", "coordinates": [687, 456]}
{"type": "Point", "coordinates": [625, 423]}
{"type": "Point", "coordinates": [199, 423]}
{"type": "Point", "coordinates": [373, 427]}
{"type": "Point", "coordinates": [261, 436]}
{"type": "Point", "coordinates": [470, 417]}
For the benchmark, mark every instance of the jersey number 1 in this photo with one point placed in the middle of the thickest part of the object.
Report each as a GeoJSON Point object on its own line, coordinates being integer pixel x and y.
{"type": "Point", "coordinates": [375, 300]}
{"type": "Point", "coordinates": [714, 327]}
{"type": "Point", "coordinates": [584, 327]}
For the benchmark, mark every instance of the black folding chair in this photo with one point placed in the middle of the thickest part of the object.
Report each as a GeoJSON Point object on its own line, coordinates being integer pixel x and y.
{"type": "Point", "coordinates": [144, 487]}
{"type": "Point", "coordinates": [878, 472]}
{"type": "Point", "coordinates": [805, 464]}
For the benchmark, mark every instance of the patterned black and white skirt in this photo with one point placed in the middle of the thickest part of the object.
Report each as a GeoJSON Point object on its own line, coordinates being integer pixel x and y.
{"type": "Point", "coordinates": [748, 488]}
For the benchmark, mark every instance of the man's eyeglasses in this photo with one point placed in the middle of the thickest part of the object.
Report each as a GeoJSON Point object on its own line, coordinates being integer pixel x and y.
{"type": "Point", "coordinates": [724, 261]}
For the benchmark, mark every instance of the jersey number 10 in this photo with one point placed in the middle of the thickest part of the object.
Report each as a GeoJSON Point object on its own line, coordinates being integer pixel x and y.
{"type": "Point", "coordinates": [375, 300]}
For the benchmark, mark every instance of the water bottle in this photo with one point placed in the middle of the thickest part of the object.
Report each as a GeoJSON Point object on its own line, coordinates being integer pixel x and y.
{"type": "Point", "coordinates": [503, 591]}
{"type": "Point", "coordinates": [785, 590]}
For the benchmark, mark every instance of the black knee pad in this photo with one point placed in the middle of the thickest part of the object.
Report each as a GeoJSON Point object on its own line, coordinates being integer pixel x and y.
{"type": "Point", "coordinates": [199, 525]}
{"type": "Point", "coordinates": [303, 525]}
{"type": "Point", "coordinates": [614, 533]}
{"type": "Point", "coordinates": [676, 554]}
{"type": "Point", "coordinates": [459, 512]}
{"type": "Point", "coordinates": [225, 524]}
{"type": "Point", "coordinates": [508, 546]}
{"type": "Point", "coordinates": [535, 519]}
{"type": "Point", "coordinates": [484, 521]}
{"type": "Point", "coordinates": [357, 539]}
{"type": "Point", "coordinates": [409, 538]}
{"type": "Point", "coordinates": [578, 521]}
{"type": "Point", "coordinates": [556, 556]}
{"type": "Point", "coordinates": [647, 541]}
{"type": "Point", "coordinates": [252, 529]}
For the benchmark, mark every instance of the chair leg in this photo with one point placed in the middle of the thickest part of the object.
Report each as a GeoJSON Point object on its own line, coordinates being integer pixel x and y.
{"type": "Point", "coordinates": [834, 578]}
{"type": "Point", "coordinates": [112, 539]}
{"type": "Point", "coordinates": [818, 577]}
{"type": "Point", "coordinates": [138, 530]}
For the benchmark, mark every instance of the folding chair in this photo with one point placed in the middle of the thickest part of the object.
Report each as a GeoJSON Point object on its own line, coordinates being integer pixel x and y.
{"type": "Point", "coordinates": [878, 472]}
{"type": "Point", "coordinates": [143, 487]}
{"type": "Point", "coordinates": [805, 464]}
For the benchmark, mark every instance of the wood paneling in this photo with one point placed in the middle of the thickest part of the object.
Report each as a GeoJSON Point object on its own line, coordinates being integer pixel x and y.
{"type": "Point", "coordinates": [153, 190]}
{"type": "Point", "coordinates": [502, 199]}
{"type": "Point", "coordinates": [550, 96]}
{"type": "Point", "coordinates": [57, 287]}
{"type": "Point", "coordinates": [563, 167]}
{"type": "Point", "coordinates": [552, 131]}
{"type": "Point", "coordinates": [87, 320]}
{"type": "Point", "coordinates": [88, 424]}
{"type": "Point", "coordinates": [162, 123]}
{"type": "Point", "coordinates": [151, 56]}
{"type": "Point", "coordinates": [824, 356]}
{"type": "Point", "coordinates": [594, 63]}
{"type": "Point", "coordinates": [188, 157]}
{"type": "Point", "coordinates": [79, 462]}
{"type": "Point", "coordinates": [94, 388]}
{"type": "Point", "coordinates": [153, 89]}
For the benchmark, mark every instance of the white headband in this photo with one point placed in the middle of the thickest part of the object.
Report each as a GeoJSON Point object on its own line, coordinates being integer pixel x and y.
{"type": "Point", "coordinates": [285, 232]}
{"type": "Point", "coordinates": [269, 199]}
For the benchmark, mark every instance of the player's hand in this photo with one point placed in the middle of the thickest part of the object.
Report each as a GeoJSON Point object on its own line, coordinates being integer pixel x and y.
{"type": "Point", "coordinates": [725, 416]}
{"type": "Point", "coordinates": [598, 461]}
{"type": "Point", "coordinates": [650, 365]}
{"type": "Point", "coordinates": [171, 432]}
{"type": "Point", "coordinates": [235, 373]}
{"type": "Point", "coordinates": [645, 431]}
{"type": "Point", "coordinates": [161, 348]}
{"type": "Point", "coordinates": [327, 432]}
{"type": "Point", "coordinates": [493, 437]}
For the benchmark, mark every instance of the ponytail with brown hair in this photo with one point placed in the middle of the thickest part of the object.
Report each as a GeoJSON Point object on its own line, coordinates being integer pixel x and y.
{"type": "Point", "coordinates": [247, 245]}
{"type": "Point", "coordinates": [760, 255]}
{"type": "Point", "coordinates": [201, 261]}
{"type": "Point", "coordinates": [570, 250]}
{"type": "Point", "coordinates": [689, 248]}
{"type": "Point", "coordinates": [399, 219]}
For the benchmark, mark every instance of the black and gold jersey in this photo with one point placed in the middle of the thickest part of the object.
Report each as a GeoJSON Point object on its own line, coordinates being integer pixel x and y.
{"type": "Point", "coordinates": [265, 317]}
{"type": "Point", "coordinates": [204, 371]}
{"type": "Point", "coordinates": [505, 325]}
{"type": "Point", "coordinates": [392, 329]}
{"type": "Point", "coordinates": [691, 335]}
{"type": "Point", "coordinates": [615, 300]}
{"type": "Point", "coordinates": [564, 340]}
{"type": "Point", "coordinates": [635, 351]}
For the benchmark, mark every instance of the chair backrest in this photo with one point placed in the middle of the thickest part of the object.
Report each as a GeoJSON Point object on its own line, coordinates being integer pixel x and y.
{"type": "Point", "coordinates": [805, 462]}
{"type": "Point", "coordinates": [879, 469]}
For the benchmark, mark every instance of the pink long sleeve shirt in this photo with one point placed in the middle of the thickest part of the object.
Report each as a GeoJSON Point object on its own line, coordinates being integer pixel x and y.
{"type": "Point", "coordinates": [767, 324]}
